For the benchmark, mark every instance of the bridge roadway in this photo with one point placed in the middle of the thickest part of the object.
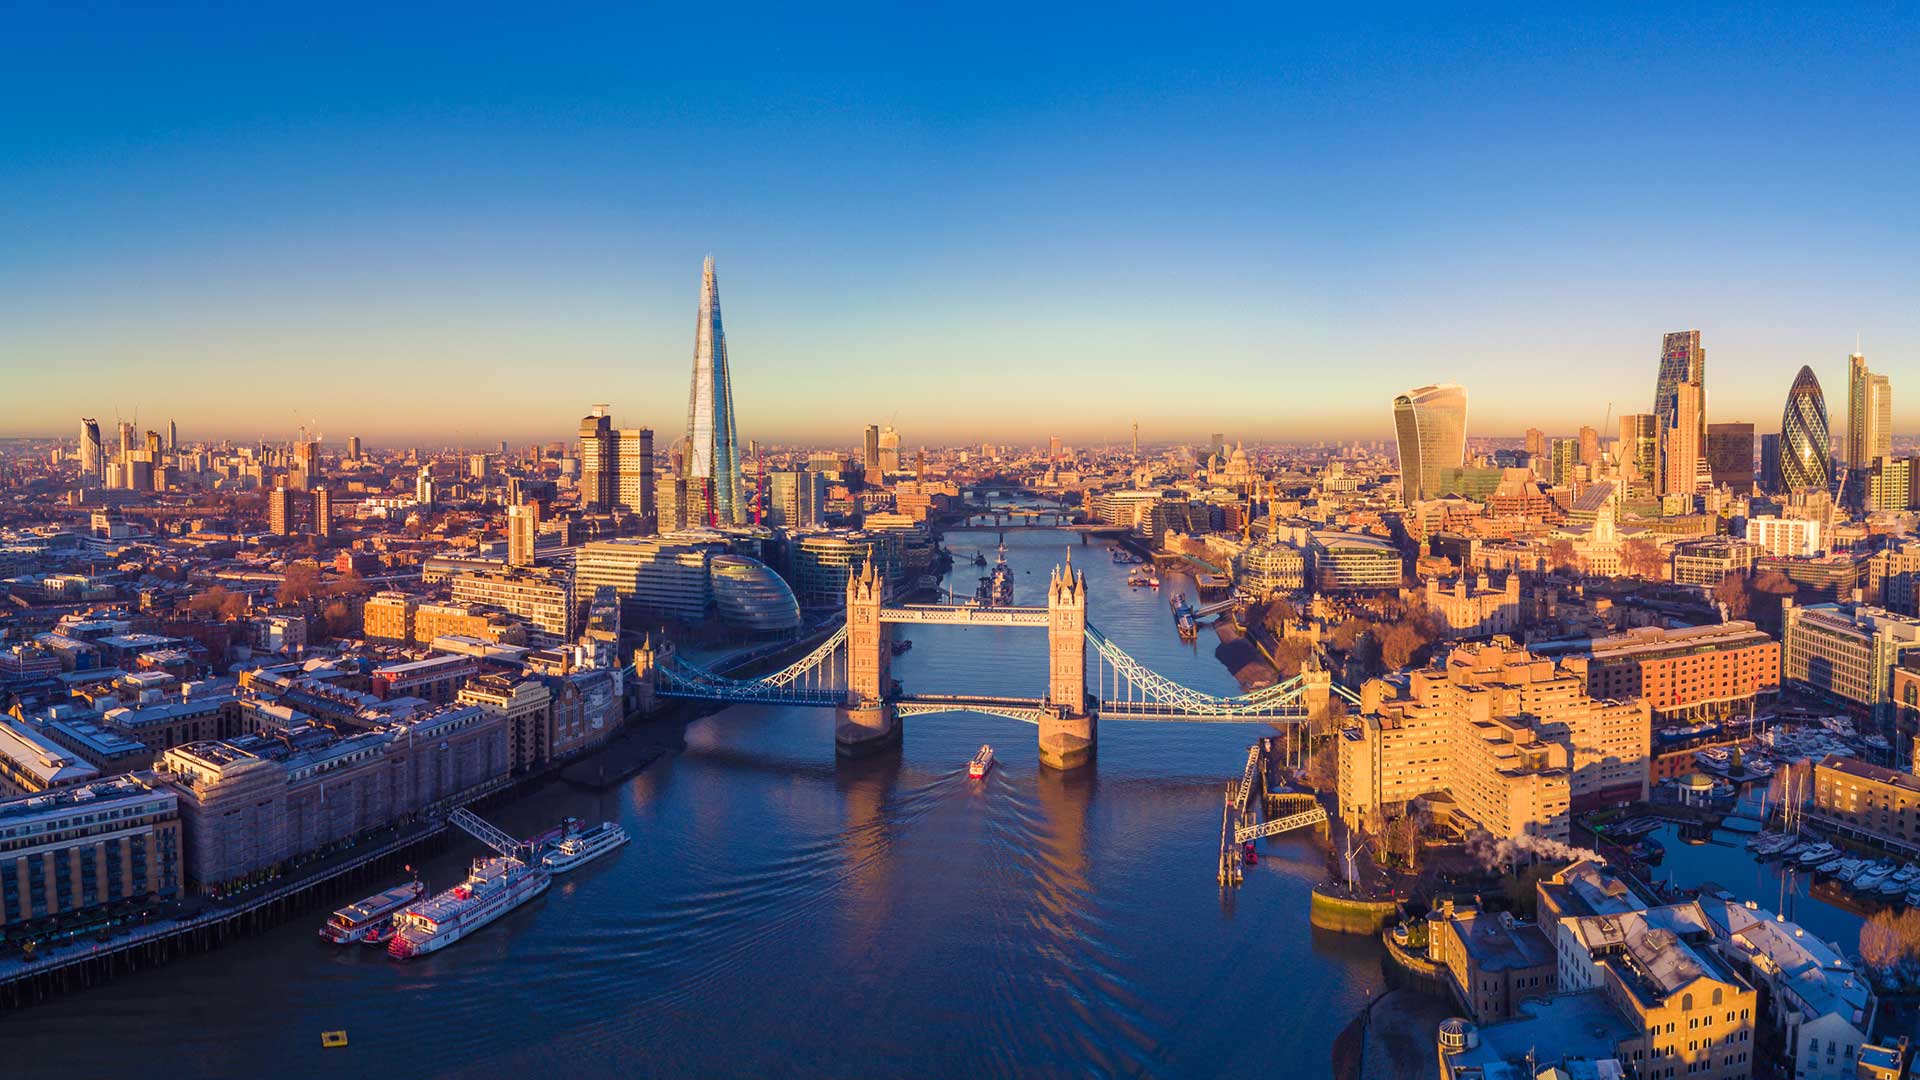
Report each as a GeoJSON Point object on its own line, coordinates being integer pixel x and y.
{"type": "Point", "coordinates": [965, 616]}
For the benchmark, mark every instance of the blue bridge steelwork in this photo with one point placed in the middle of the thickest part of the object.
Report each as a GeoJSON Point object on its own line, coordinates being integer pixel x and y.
{"type": "Point", "coordinates": [848, 671]}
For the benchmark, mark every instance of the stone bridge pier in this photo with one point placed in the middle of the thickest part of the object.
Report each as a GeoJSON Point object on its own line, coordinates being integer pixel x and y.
{"type": "Point", "coordinates": [1069, 728]}
{"type": "Point", "coordinates": [868, 721]}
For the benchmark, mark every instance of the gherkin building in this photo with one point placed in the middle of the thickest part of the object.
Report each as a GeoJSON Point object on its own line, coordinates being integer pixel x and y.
{"type": "Point", "coordinates": [1806, 452]}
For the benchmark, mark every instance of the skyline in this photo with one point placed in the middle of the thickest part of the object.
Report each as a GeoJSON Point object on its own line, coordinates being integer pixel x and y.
{"type": "Point", "coordinates": [913, 216]}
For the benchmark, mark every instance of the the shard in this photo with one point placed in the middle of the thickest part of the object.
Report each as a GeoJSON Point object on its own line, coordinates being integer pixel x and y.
{"type": "Point", "coordinates": [712, 456]}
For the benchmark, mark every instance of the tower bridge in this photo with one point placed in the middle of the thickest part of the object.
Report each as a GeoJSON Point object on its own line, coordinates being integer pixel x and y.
{"type": "Point", "coordinates": [851, 672]}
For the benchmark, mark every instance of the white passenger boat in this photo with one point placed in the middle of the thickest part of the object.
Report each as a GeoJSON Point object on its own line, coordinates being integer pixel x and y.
{"type": "Point", "coordinates": [578, 848]}
{"type": "Point", "coordinates": [494, 887]}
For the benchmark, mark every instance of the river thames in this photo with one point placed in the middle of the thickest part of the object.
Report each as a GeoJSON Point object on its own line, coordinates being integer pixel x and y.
{"type": "Point", "coordinates": [780, 912]}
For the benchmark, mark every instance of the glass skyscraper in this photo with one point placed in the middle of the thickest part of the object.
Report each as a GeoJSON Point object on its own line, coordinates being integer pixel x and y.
{"type": "Point", "coordinates": [1806, 452]}
{"type": "Point", "coordinates": [712, 454]}
{"type": "Point", "coordinates": [1431, 426]}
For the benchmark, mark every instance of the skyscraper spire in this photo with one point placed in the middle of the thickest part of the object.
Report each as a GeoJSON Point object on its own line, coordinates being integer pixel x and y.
{"type": "Point", "coordinates": [712, 454]}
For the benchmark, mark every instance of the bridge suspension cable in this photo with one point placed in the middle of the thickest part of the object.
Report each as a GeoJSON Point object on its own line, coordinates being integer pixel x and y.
{"type": "Point", "coordinates": [814, 679]}
{"type": "Point", "coordinates": [1138, 688]}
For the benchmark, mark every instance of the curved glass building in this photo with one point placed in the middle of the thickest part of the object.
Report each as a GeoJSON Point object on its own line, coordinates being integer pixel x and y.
{"type": "Point", "coordinates": [751, 598]}
{"type": "Point", "coordinates": [1430, 425]}
{"type": "Point", "coordinates": [1806, 451]}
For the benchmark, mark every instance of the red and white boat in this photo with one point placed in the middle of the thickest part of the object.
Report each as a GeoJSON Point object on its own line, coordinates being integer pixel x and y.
{"type": "Point", "coordinates": [981, 762]}
{"type": "Point", "coordinates": [494, 887]}
{"type": "Point", "coordinates": [368, 919]}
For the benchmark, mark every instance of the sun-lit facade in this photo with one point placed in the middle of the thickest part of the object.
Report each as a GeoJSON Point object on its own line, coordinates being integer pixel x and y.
{"type": "Point", "coordinates": [712, 453]}
{"type": "Point", "coordinates": [1806, 451]}
{"type": "Point", "coordinates": [1431, 426]}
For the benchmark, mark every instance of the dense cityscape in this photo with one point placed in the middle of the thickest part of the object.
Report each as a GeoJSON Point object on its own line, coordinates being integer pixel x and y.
{"type": "Point", "coordinates": [1197, 544]}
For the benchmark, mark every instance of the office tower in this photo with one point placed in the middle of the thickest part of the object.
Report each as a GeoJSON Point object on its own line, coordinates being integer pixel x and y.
{"type": "Point", "coordinates": [1681, 441]}
{"type": "Point", "coordinates": [126, 440]}
{"type": "Point", "coordinates": [1536, 443]}
{"type": "Point", "coordinates": [91, 457]}
{"type": "Point", "coordinates": [635, 487]}
{"type": "Point", "coordinates": [599, 461]}
{"type": "Point", "coordinates": [1430, 425]}
{"type": "Point", "coordinates": [1730, 456]}
{"type": "Point", "coordinates": [173, 435]}
{"type": "Point", "coordinates": [797, 499]}
{"type": "Point", "coordinates": [889, 450]}
{"type": "Point", "coordinates": [501, 448]}
{"type": "Point", "coordinates": [280, 511]}
{"type": "Point", "coordinates": [712, 456]}
{"type": "Point", "coordinates": [1136, 438]}
{"type": "Point", "coordinates": [1859, 435]}
{"type": "Point", "coordinates": [1640, 448]}
{"type": "Point", "coordinates": [1869, 414]}
{"type": "Point", "coordinates": [1770, 462]}
{"type": "Point", "coordinates": [1589, 446]}
{"type": "Point", "coordinates": [1682, 362]}
{"type": "Point", "coordinates": [871, 461]}
{"type": "Point", "coordinates": [323, 513]}
{"type": "Point", "coordinates": [423, 491]}
{"type": "Point", "coordinates": [154, 447]}
{"type": "Point", "coordinates": [522, 524]}
{"type": "Point", "coordinates": [353, 448]}
{"type": "Point", "coordinates": [1053, 449]}
{"type": "Point", "coordinates": [1219, 444]}
{"type": "Point", "coordinates": [1805, 451]}
{"type": "Point", "coordinates": [670, 504]}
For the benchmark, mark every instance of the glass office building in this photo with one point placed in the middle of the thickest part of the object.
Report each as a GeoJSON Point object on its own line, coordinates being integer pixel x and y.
{"type": "Point", "coordinates": [1806, 451]}
{"type": "Point", "coordinates": [712, 455]}
{"type": "Point", "coordinates": [1431, 426]}
{"type": "Point", "coordinates": [751, 598]}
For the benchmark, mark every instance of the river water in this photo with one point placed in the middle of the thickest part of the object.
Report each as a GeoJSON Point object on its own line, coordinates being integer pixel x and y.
{"type": "Point", "coordinates": [783, 913]}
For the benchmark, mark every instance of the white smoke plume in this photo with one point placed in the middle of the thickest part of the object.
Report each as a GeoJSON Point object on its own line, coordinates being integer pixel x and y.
{"type": "Point", "coordinates": [1495, 852]}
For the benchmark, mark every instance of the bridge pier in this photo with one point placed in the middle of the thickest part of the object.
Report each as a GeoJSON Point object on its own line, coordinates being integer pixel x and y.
{"type": "Point", "coordinates": [1068, 740]}
{"type": "Point", "coordinates": [866, 728]}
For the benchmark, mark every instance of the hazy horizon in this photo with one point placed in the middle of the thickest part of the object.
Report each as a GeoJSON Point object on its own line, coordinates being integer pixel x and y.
{"type": "Point", "coordinates": [1264, 224]}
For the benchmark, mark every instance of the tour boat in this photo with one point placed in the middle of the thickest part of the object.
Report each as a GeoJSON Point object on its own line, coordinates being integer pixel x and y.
{"type": "Point", "coordinates": [366, 918]}
{"type": "Point", "coordinates": [578, 848]}
{"type": "Point", "coordinates": [1187, 628]}
{"type": "Point", "coordinates": [981, 762]}
{"type": "Point", "coordinates": [494, 887]}
{"type": "Point", "coordinates": [1248, 854]}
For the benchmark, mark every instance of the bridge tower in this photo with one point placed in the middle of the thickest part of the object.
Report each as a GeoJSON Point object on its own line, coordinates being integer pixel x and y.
{"type": "Point", "coordinates": [868, 721]}
{"type": "Point", "coordinates": [1067, 731]}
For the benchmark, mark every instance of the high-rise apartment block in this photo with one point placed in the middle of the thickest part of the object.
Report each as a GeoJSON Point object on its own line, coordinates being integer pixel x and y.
{"type": "Point", "coordinates": [1512, 740]}
{"type": "Point", "coordinates": [323, 512]}
{"type": "Point", "coordinates": [280, 512]}
{"type": "Point", "coordinates": [523, 522]}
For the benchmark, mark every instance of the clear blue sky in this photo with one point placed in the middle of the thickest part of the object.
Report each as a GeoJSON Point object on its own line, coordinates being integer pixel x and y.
{"type": "Point", "coordinates": [977, 223]}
